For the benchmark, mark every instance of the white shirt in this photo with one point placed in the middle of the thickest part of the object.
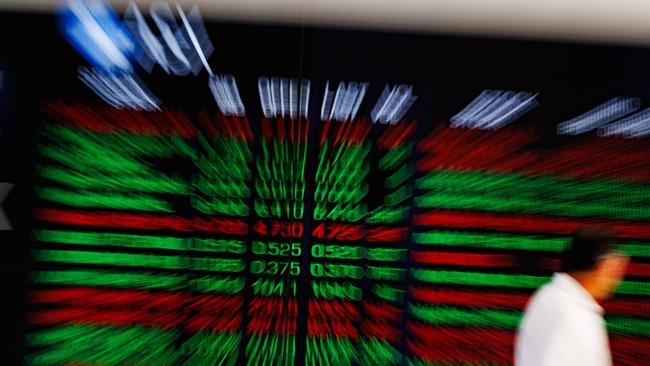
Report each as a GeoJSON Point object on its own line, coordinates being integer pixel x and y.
{"type": "Point", "coordinates": [562, 326]}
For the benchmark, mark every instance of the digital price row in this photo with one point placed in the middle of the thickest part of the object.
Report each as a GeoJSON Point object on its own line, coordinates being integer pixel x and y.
{"type": "Point", "coordinates": [329, 251]}
{"type": "Point", "coordinates": [321, 289]}
{"type": "Point", "coordinates": [329, 270]}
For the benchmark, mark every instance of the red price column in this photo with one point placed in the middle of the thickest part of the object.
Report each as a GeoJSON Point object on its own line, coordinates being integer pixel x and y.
{"type": "Point", "coordinates": [276, 247]}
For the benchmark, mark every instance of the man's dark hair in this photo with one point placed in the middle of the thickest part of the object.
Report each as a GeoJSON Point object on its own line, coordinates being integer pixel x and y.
{"type": "Point", "coordinates": [587, 246]}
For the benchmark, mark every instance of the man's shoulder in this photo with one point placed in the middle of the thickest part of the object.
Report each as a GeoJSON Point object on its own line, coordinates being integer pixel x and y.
{"type": "Point", "coordinates": [555, 308]}
{"type": "Point", "coordinates": [549, 306]}
{"type": "Point", "coordinates": [549, 297]}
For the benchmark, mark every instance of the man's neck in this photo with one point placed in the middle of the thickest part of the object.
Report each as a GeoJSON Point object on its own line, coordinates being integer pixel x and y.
{"type": "Point", "coordinates": [587, 281]}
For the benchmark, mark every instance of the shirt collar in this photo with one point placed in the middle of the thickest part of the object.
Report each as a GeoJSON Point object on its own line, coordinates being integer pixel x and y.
{"type": "Point", "coordinates": [570, 286]}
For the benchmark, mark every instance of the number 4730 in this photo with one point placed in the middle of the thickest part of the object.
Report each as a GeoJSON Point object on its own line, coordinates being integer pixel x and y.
{"type": "Point", "coordinates": [284, 229]}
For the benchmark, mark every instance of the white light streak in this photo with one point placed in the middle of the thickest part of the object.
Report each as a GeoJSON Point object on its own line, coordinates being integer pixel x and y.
{"type": "Point", "coordinates": [636, 125]}
{"type": "Point", "coordinates": [182, 49]}
{"type": "Point", "coordinates": [226, 94]}
{"type": "Point", "coordinates": [153, 50]}
{"type": "Point", "coordinates": [284, 97]}
{"type": "Point", "coordinates": [162, 15]}
{"type": "Point", "coordinates": [347, 101]}
{"type": "Point", "coordinates": [601, 115]}
{"type": "Point", "coordinates": [195, 30]}
{"type": "Point", "coordinates": [304, 97]}
{"type": "Point", "coordinates": [393, 104]}
{"type": "Point", "coordinates": [493, 109]}
{"type": "Point", "coordinates": [123, 91]}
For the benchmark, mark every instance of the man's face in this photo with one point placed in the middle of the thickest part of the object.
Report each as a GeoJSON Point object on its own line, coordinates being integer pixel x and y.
{"type": "Point", "coordinates": [610, 270]}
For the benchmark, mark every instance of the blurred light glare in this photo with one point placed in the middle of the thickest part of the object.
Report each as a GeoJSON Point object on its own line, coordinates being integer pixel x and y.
{"type": "Point", "coordinates": [94, 29]}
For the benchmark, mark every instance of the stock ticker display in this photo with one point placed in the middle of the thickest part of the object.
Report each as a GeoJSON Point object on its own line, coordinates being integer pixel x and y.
{"type": "Point", "coordinates": [167, 238]}
{"type": "Point", "coordinates": [309, 219]}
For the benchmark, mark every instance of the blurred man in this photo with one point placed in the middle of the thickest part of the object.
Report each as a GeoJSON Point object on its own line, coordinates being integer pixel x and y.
{"type": "Point", "coordinates": [563, 324]}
